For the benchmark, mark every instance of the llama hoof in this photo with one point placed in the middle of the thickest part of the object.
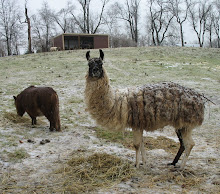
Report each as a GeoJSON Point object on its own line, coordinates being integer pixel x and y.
{"type": "Point", "coordinates": [175, 169]}
{"type": "Point", "coordinates": [173, 164]}
{"type": "Point", "coordinates": [138, 166]}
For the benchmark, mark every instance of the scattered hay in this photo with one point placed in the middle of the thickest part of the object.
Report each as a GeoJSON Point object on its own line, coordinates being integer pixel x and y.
{"type": "Point", "coordinates": [114, 136]}
{"type": "Point", "coordinates": [151, 143]}
{"type": "Point", "coordinates": [184, 179]}
{"type": "Point", "coordinates": [15, 118]}
{"type": "Point", "coordinates": [161, 142]}
{"type": "Point", "coordinates": [17, 155]}
{"type": "Point", "coordinates": [85, 174]}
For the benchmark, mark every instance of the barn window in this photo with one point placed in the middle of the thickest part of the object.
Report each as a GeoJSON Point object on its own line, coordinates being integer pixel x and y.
{"type": "Point", "coordinates": [71, 42]}
{"type": "Point", "coordinates": [86, 42]}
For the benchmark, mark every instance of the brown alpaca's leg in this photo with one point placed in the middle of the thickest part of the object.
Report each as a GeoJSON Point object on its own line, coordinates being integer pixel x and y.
{"type": "Point", "coordinates": [52, 125]}
{"type": "Point", "coordinates": [34, 121]}
{"type": "Point", "coordinates": [49, 116]}
{"type": "Point", "coordinates": [188, 144]}
{"type": "Point", "coordinates": [54, 119]}
{"type": "Point", "coordinates": [137, 140]}
{"type": "Point", "coordinates": [57, 123]}
{"type": "Point", "coordinates": [181, 149]}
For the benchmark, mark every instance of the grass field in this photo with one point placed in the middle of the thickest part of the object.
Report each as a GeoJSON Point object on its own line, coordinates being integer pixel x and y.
{"type": "Point", "coordinates": [30, 167]}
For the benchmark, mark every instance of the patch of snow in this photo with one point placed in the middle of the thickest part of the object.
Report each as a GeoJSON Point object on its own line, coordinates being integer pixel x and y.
{"type": "Point", "coordinates": [158, 152]}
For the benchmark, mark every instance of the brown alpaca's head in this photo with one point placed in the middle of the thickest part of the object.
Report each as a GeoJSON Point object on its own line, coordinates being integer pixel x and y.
{"type": "Point", "coordinates": [95, 65]}
{"type": "Point", "coordinates": [19, 108]}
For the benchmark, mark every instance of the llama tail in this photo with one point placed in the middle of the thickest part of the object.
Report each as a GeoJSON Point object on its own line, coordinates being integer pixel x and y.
{"type": "Point", "coordinates": [207, 99]}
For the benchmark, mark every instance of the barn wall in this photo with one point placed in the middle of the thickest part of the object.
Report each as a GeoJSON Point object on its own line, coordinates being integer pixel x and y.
{"type": "Point", "coordinates": [58, 42]}
{"type": "Point", "coordinates": [101, 42]}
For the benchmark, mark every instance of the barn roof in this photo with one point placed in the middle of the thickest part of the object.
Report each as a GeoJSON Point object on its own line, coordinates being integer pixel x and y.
{"type": "Point", "coordinates": [80, 34]}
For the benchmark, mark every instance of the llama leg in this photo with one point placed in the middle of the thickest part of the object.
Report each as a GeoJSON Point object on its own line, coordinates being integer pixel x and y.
{"type": "Point", "coordinates": [143, 153]}
{"type": "Point", "coordinates": [137, 140]}
{"type": "Point", "coordinates": [181, 149]}
{"type": "Point", "coordinates": [188, 144]}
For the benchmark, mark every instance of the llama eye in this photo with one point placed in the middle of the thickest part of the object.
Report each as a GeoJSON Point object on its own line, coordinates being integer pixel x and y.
{"type": "Point", "coordinates": [91, 64]}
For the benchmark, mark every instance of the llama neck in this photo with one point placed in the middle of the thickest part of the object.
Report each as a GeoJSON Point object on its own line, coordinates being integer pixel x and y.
{"type": "Point", "coordinates": [104, 104]}
{"type": "Point", "coordinates": [99, 92]}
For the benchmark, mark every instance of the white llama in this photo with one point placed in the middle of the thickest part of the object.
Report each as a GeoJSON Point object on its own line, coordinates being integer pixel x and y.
{"type": "Point", "coordinates": [149, 108]}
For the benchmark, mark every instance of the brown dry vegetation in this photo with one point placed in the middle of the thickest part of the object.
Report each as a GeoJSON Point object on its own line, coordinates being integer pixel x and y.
{"type": "Point", "coordinates": [84, 157]}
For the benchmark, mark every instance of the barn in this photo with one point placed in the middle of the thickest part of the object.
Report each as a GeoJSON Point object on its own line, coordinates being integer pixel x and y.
{"type": "Point", "coordinates": [81, 41]}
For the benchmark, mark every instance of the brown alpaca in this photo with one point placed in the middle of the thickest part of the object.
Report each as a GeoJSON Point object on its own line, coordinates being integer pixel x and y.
{"type": "Point", "coordinates": [149, 108]}
{"type": "Point", "coordinates": [39, 101]}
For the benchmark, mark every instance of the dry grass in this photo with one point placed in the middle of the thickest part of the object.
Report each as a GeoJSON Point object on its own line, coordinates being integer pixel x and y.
{"type": "Point", "coordinates": [127, 67]}
{"type": "Point", "coordinates": [184, 180]}
{"type": "Point", "coordinates": [13, 117]}
{"type": "Point", "coordinates": [18, 155]}
{"type": "Point", "coordinates": [160, 142]}
{"type": "Point", "coordinates": [100, 170]}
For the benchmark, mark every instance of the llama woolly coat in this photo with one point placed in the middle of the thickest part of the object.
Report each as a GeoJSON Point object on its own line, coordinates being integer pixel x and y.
{"type": "Point", "coordinates": [144, 108]}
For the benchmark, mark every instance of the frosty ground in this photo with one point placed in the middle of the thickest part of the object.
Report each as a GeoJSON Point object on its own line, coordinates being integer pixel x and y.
{"type": "Point", "coordinates": [27, 166]}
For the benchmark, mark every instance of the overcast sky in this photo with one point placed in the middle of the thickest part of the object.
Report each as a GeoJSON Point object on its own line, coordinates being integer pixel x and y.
{"type": "Point", "coordinates": [35, 5]}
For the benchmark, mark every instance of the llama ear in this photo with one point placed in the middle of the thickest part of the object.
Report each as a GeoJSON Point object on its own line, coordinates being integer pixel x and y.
{"type": "Point", "coordinates": [15, 98]}
{"type": "Point", "coordinates": [101, 54]}
{"type": "Point", "coordinates": [88, 55]}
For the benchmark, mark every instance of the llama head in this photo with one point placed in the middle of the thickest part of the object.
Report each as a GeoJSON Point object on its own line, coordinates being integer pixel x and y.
{"type": "Point", "coordinates": [95, 65]}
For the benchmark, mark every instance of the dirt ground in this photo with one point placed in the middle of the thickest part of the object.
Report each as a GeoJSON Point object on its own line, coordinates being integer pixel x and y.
{"type": "Point", "coordinates": [28, 165]}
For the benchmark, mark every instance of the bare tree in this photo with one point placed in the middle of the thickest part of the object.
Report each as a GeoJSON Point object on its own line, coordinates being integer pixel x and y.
{"type": "Point", "coordinates": [160, 20]}
{"type": "Point", "coordinates": [179, 8]}
{"type": "Point", "coordinates": [216, 21]}
{"type": "Point", "coordinates": [62, 18]}
{"type": "Point", "coordinates": [210, 27]}
{"type": "Point", "coordinates": [9, 24]}
{"type": "Point", "coordinates": [28, 21]}
{"type": "Point", "coordinates": [2, 49]}
{"type": "Point", "coordinates": [199, 14]}
{"type": "Point", "coordinates": [110, 21]}
{"type": "Point", "coordinates": [38, 40]}
{"type": "Point", "coordinates": [81, 20]}
{"type": "Point", "coordinates": [86, 21]}
{"type": "Point", "coordinates": [129, 12]}
{"type": "Point", "coordinates": [43, 27]}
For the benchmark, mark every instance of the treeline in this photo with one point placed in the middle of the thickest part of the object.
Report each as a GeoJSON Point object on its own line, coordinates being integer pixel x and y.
{"type": "Point", "coordinates": [128, 22]}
